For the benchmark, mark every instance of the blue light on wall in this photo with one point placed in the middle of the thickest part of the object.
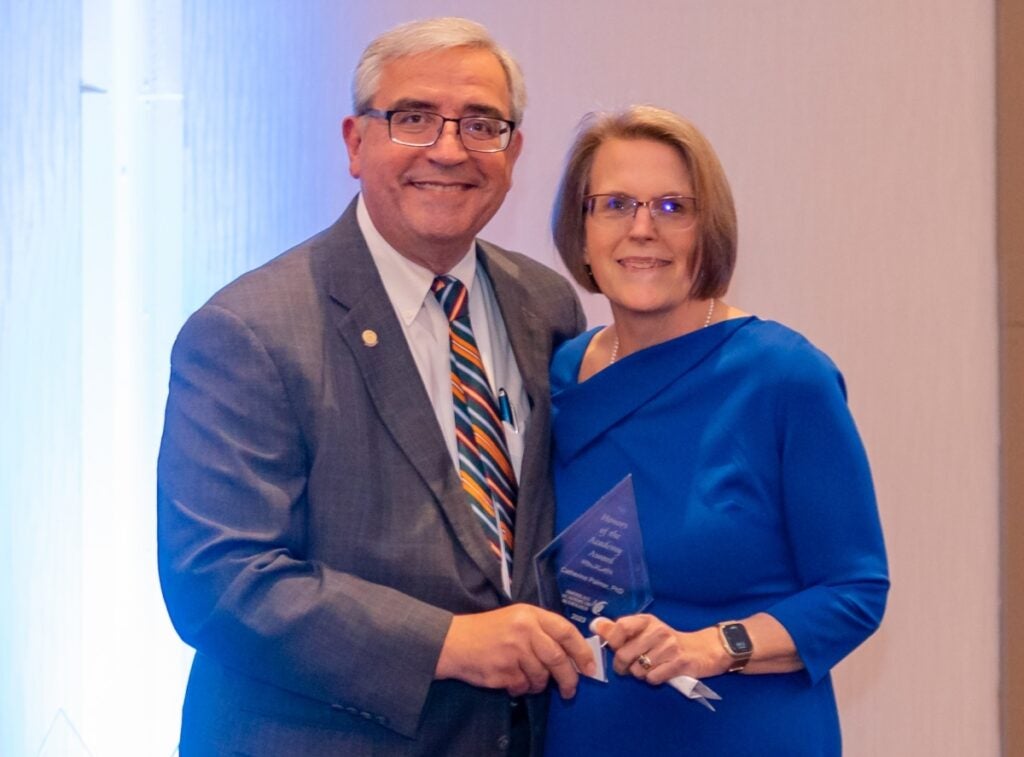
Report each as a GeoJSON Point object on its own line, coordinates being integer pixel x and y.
{"type": "Point", "coordinates": [150, 151]}
{"type": "Point", "coordinates": [40, 372]}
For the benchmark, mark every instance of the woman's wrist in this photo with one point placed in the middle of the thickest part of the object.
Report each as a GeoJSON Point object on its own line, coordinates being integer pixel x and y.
{"type": "Point", "coordinates": [717, 660]}
{"type": "Point", "coordinates": [736, 643]}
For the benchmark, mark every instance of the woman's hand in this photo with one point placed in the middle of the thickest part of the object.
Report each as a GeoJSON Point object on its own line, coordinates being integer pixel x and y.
{"type": "Point", "coordinates": [653, 651]}
{"type": "Point", "coordinates": [639, 639]}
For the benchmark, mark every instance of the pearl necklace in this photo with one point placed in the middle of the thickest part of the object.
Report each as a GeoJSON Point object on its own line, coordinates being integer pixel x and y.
{"type": "Point", "coordinates": [707, 322]}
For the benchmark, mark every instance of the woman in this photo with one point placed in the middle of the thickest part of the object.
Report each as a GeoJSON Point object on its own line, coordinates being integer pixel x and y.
{"type": "Point", "coordinates": [755, 500]}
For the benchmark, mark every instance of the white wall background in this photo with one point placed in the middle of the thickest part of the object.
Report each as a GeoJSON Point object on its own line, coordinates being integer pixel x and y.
{"type": "Point", "coordinates": [859, 138]}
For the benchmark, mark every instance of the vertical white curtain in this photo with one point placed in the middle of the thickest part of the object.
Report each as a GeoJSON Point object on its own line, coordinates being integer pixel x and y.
{"type": "Point", "coordinates": [40, 371]}
{"type": "Point", "coordinates": [151, 150]}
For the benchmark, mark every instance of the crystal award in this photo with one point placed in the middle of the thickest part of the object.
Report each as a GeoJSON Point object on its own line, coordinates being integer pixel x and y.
{"type": "Point", "coordinates": [595, 568]}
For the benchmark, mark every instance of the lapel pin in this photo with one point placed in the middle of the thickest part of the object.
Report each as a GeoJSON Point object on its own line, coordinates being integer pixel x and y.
{"type": "Point", "coordinates": [370, 338]}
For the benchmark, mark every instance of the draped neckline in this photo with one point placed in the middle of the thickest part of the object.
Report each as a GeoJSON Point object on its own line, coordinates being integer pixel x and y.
{"type": "Point", "coordinates": [590, 407]}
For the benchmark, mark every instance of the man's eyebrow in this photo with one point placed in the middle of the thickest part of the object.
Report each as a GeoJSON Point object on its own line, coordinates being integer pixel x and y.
{"type": "Point", "coordinates": [409, 103]}
{"type": "Point", "coordinates": [478, 109]}
{"type": "Point", "coordinates": [470, 109]}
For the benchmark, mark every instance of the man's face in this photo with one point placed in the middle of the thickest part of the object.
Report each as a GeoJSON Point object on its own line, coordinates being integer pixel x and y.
{"type": "Point", "coordinates": [429, 203]}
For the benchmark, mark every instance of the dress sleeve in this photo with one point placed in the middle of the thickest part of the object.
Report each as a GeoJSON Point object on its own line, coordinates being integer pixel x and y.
{"type": "Point", "coordinates": [831, 518]}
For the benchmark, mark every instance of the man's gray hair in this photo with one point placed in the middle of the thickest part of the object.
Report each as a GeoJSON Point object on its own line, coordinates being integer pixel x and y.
{"type": "Point", "coordinates": [430, 36]}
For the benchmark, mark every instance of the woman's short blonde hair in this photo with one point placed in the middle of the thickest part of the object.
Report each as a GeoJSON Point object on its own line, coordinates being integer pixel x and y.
{"type": "Point", "coordinates": [715, 256]}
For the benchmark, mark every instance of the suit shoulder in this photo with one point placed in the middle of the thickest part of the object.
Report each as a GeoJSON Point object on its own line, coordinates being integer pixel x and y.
{"type": "Point", "coordinates": [538, 288]}
{"type": "Point", "coordinates": [279, 303]}
{"type": "Point", "coordinates": [292, 280]}
{"type": "Point", "coordinates": [541, 283]}
{"type": "Point", "coordinates": [524, 264]}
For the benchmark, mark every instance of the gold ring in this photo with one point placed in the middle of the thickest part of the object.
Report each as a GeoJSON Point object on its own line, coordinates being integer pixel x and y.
{"type": "Point", "coordinates": [645, 661]}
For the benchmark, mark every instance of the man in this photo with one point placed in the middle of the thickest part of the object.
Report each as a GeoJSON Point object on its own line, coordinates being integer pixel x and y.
{"type": "Point", "coordinates": [344, 537]}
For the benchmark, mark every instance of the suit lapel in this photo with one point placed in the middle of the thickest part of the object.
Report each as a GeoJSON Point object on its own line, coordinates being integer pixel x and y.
{"type": "Point", "coordinates": [531, 347]}
{"type": "Point", "coordinates": [524, 327]}
{"type": "Point", "coordinates": [366, 321]}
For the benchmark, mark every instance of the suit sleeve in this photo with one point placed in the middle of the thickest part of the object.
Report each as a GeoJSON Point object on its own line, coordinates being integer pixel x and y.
{"type": "Point", "coordinates": [831, 520]}
{"type": "Point", "coordinates": [232, 478]}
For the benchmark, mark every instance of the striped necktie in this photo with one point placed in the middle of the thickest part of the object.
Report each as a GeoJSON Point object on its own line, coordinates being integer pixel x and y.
{"type": "Point", "coordinates": [484, 463]}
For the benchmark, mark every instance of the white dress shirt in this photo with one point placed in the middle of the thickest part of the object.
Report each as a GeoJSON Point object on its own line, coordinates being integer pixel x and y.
{"type": "Point", "coordinates": [426, 331]}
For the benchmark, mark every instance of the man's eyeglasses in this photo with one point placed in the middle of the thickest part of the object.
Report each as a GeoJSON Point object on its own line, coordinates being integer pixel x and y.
{"type": "Point", "coordinates": [671, 212]}
{"type": "Point", "coordinates": [419, 128]}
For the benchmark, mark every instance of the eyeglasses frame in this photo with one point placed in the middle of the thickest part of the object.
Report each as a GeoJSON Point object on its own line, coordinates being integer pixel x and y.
{"type": "Point", "coordinates": [386, 115]}
{"type": "Point", "coordinates": [588, 205]}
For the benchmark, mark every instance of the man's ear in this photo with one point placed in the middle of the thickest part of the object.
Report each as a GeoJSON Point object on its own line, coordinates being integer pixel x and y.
{"type": "Point", "coordinates": [513, 150]}
{"type": "Point", "coordinates": [352, 133]}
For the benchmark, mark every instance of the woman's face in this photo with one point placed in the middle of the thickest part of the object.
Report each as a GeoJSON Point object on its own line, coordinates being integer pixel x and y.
{"type": "Point", "coordinates": [643, 266]}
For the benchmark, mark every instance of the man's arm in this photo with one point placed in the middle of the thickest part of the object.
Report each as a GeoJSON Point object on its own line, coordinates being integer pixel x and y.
{"type": "Point", "coordinates": [232, 488]}
{"type": "Point", "coordinates": [233, 482]}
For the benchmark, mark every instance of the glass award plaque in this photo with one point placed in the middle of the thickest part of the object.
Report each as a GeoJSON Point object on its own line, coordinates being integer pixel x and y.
{"type": "Point", "coordinates": [595, 567]}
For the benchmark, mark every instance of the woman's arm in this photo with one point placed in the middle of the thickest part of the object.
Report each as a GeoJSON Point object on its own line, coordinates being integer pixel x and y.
{"type": "Point", "coordinates": [700, 654]}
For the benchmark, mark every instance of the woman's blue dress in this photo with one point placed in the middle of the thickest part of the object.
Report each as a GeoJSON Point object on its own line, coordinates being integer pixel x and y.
{"type": "Point", "coordinates": [754, 494]}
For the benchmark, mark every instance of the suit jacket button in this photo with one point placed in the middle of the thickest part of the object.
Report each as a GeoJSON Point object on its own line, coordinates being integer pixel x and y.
{"type": "Point", "coordinates": [381, 719]}
{"type": "Point", "coordinates": [504, 742]}
{"type": "Point", "coordinates": [366, 715]}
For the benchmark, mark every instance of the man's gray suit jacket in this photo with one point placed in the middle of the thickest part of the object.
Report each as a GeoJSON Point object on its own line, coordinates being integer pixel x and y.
{"type": "Point", "coordinates": [314, 537]}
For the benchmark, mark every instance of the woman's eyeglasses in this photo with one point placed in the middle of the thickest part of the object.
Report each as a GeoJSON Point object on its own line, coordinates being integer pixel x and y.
{"type": "Point", "coordinates": [672, 211]}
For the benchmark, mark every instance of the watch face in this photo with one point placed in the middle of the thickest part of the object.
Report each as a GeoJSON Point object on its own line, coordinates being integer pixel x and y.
{"type": "Point", "coordinates": [737, 639]}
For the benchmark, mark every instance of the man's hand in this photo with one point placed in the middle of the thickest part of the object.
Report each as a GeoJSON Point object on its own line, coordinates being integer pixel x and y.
{"type": "Point", "coordinates": [517, 648]}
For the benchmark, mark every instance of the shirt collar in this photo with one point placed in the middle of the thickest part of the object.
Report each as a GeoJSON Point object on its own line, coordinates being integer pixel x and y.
{"type": "Point", "coordinates": [407, 283]}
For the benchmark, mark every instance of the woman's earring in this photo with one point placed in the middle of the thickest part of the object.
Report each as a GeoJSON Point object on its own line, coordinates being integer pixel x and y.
{"type": "Point", "coordinates": [590, 275]}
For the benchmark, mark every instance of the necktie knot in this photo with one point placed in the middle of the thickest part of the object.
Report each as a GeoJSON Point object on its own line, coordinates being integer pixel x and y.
{"type": "Point", "coordinates": [452, 295]}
